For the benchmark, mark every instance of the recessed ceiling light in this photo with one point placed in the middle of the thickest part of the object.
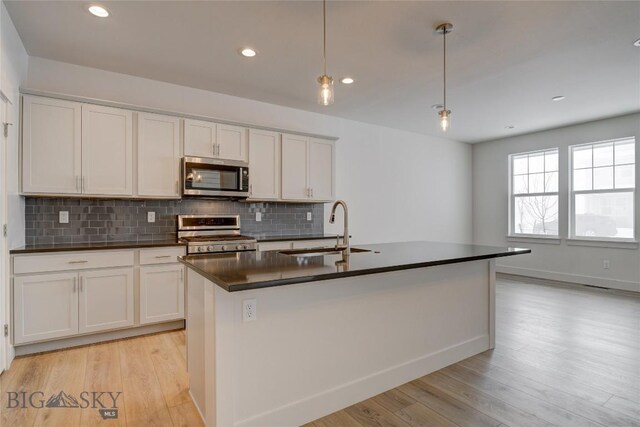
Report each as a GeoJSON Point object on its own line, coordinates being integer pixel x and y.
{"type": "Point", "coordinates": [437, 106]}
{"type": "Point", "coordinates": [347, 80]}
{"type": "Point", "coordinates": [510, 127]}
{"type": "Point", "coordinates": [557, 98]}
{"type": "Point", "coordinates": [248, 52]}
{"type": "Point", "coordinates": [99, 11]}
{"type": "Point", "coordinates": [636, 43]}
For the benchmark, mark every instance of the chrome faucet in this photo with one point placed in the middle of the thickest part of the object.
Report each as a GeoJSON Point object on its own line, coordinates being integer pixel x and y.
{"type": "Point", "coordinates": [346, 249]}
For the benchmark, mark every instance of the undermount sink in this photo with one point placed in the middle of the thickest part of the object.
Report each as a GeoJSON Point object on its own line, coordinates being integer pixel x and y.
{"type": "Point", "coordinates": [320, 252]}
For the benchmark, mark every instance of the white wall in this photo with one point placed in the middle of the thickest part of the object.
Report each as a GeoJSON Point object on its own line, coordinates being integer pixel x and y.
{"type": "Point", "coordinates": [13, 70]}
{"type": "Point", "coordinates": [399, 185]}
{"type": "Point", "coordinates": [579, 264]}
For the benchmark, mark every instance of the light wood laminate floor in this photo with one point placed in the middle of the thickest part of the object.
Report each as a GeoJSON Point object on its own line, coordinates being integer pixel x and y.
{"type": "Point", "coordinates": [564, 357]}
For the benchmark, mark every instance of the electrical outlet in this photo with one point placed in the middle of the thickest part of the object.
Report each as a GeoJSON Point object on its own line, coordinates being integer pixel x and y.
{"type": "Point", "coordinates": [151, 217]}
{"type": "Point", "coordinates": [309, 217]}
{"type": "Point", "coordinates": [249, 310]}
{"type": "Point", "coordinates": [258, 216]}
{"type": "Point", "coordinates": [63, 217]}
{"type": "Point", "coordinates": [606, 264]}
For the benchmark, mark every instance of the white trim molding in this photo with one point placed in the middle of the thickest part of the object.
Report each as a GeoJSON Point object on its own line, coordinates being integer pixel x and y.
{"type": "Point", "coordinates": [602, 282]}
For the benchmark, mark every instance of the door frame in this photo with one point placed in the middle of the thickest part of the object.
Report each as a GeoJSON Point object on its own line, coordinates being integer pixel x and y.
{"type": "Point", "coordinates": [5, 305]}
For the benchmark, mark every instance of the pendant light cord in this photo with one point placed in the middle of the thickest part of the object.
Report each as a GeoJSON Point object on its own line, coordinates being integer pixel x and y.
{"type": "Point", "coordinates": [444, 64]}
{"type": "Point", "coordinates": [324, 34]}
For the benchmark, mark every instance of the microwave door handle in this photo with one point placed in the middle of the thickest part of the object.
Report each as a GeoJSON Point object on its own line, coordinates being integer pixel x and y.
{"type": "Point", "coordinates": [240, 179]}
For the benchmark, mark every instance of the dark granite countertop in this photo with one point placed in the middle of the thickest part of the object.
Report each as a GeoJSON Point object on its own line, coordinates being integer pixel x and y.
{"type": "Point", "coordinates": [253, 270]}
{"type": "Point", "coordinates": [261, 237]}
{"type": "Point", "coordinates": [95, 246]}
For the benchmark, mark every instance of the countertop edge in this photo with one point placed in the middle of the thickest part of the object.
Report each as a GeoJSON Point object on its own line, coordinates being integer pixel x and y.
{"type": "Point", "coordinates": [344, 274]}
{"type": "Point", "coordinates": [97, 247]}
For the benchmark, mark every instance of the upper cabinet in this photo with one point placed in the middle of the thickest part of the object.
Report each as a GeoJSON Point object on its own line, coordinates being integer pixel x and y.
{"type": "Point", "coordinates": [51, 146]}
{"type": "Point", "coordinates": [307, 168]}
{"type": "Point", "coordinates": [199, 138]}
{"type": "Point", "coordinates": [158, 155]}
{"type": "Point", "coordinates": [215, 140]}
{"type": "Point", "coordinates": [107, 151]}
{"type": "Point", "coordinates": [264, 165]}
{"type": "Point", "coordinates": [232, 143]}
{"type": "Point", "coordinates": [79, 149]}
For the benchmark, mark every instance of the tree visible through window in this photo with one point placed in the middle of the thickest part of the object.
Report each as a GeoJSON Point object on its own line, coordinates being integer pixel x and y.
{"type": "Point", "coordinates": [534, 193]}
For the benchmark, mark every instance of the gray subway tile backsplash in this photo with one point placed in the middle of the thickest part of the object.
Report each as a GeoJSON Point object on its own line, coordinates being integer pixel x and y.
{"type": "Point", "coordinates": [124, 220]}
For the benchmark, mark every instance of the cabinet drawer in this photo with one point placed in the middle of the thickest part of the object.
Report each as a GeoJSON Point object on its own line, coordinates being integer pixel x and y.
{"type": "Point", "coordinates": [320, 243]}
{"type": "Point", "coordinates": [161, 255]}
{"type": "Point", "coordinates": [71, 261]}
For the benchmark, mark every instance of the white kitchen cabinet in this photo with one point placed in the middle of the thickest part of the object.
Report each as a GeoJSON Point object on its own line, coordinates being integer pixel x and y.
{"type": "Point", "coordinates": [107, 151]}
{"type": "Point", "coordinates": [45, 306]}
{"type": "Point", "coordinates": [51, 146]}
{"type": "Point", "coordinates": [231, 142]}
{"type": "Point", "coordinates": [296, 244]}
{"type": "Point", "coordinates": [308, 168]}
{"type": "Point", "coordinates": [106, 299]}
{"type": "Point", "coordinates": [264, 165]}
{"type": "Point", "coordinates": [321, 169]}
{"type": "Point", "coordinates": [295, 179]}
{"type": "Point", "coordinates": [161, 293]}
{"type": "Point", "coordinates": [199, 138]}
{"type": "Point", "coordinates": [158, 155]}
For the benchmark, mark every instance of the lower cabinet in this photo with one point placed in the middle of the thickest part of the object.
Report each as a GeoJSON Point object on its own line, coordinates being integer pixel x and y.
{"type": "Point", "coordinates": [45, 306]}
{"type": "Point", "coordinates": [106, 299]}
{"type": "Point", "coordinates": [161, 293]}
{"type": "Point", "coordinates": [99, 294]}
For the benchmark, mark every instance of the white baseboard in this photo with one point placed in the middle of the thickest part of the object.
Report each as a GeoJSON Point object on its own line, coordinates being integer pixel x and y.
{"type": "Point", "coordinates": [571, 278]}
{"type": "Point", "coordinates": [40, 347]}
{"type": "Point", "coordinates": [326, 402]}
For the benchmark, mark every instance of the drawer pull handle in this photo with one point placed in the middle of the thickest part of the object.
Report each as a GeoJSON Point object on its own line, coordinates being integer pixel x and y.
{"type": "Point", "coordinates": [78, 262]}
{"type": "Point", "coordinates": [163, 256]}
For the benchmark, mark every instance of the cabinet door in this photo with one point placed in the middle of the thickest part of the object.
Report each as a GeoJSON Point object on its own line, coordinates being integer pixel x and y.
{"type": "Point", "coordinates": [232, 142]}
{"type": "Point", "coordinates": [158, 155]}
{"type": "Point", "coordinates": [106, 299]}
{"type": "Point", "coordinates": [161, 293]}
{"type": "Point", "coordinates": [107, 151]}
{"type": "Point", "coordinates": [51, 146]}
{"type": "Point", "coordinates": [294, 167]}
{"type": "Point", "coordinates": [264, 164]}
{"type": "Point", "coordinates": [321, 169]}
{"type": "Point", "coordinates": [199, 138]}
{"type": "Point", "coordinates": [45, 306]}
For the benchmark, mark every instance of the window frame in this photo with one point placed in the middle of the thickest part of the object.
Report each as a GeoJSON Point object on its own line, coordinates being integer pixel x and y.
{"type": "Point", "coordinates": [511, 232]}
{"type": "Point", "coordinates": [571, 231]}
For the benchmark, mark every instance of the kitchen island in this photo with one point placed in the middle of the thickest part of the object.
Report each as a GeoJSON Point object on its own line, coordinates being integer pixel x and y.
{"type": "Point", "coordinates": [328, 329]}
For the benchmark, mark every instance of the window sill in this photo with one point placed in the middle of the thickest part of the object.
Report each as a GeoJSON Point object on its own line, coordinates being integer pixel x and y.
{"type": "Point", "coordinates": [620, 244]}
{"type": "Point", "coordinates": [545, 240]}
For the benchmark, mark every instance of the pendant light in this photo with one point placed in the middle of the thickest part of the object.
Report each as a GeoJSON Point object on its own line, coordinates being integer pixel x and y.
{"type": "Point", "coordinates": [325, 90]}
{"type": "Point", "coordinates": [445, 115]}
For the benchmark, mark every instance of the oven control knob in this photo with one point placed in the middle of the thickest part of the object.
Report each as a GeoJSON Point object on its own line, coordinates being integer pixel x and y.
{"type": "Point", "coordinates": [210, 248]}
{"type": "Point", "coordinates": [241, 247]}
{"type": "Point", "coordinates": [223, 247]}
{"type": "Point", "coordinates": [200, 249]}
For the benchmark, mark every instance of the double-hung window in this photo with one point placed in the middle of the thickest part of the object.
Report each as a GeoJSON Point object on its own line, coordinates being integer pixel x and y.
{"type": "Point", "coordinates": [534, 194]}
{"type": "Point", "coordinates": [602, 190]}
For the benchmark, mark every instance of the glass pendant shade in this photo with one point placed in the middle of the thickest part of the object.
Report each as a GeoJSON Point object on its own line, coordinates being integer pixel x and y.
{"type": "Point", "coordinates": [445, 118]}
{"type": "Point", "coordinates": [325, 90]}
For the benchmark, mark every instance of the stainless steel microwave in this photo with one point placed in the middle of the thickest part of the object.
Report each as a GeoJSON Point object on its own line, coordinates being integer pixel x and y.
{"type": "Point", "coordinates": [204, 177]}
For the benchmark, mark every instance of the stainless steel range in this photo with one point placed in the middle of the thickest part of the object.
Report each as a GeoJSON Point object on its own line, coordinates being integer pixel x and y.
{"type": "Point", "coordinates": [213, 234]}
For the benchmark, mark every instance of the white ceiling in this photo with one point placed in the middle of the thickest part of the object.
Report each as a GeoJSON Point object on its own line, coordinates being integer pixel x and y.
{"type": "Point", "coordinates": [506, 59]}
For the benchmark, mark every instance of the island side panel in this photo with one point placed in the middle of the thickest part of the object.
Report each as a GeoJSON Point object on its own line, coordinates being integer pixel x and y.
{"type": "Point", "coordinates": [196, 339]}
{"type": "Point", "coordinates": [321, 346]}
